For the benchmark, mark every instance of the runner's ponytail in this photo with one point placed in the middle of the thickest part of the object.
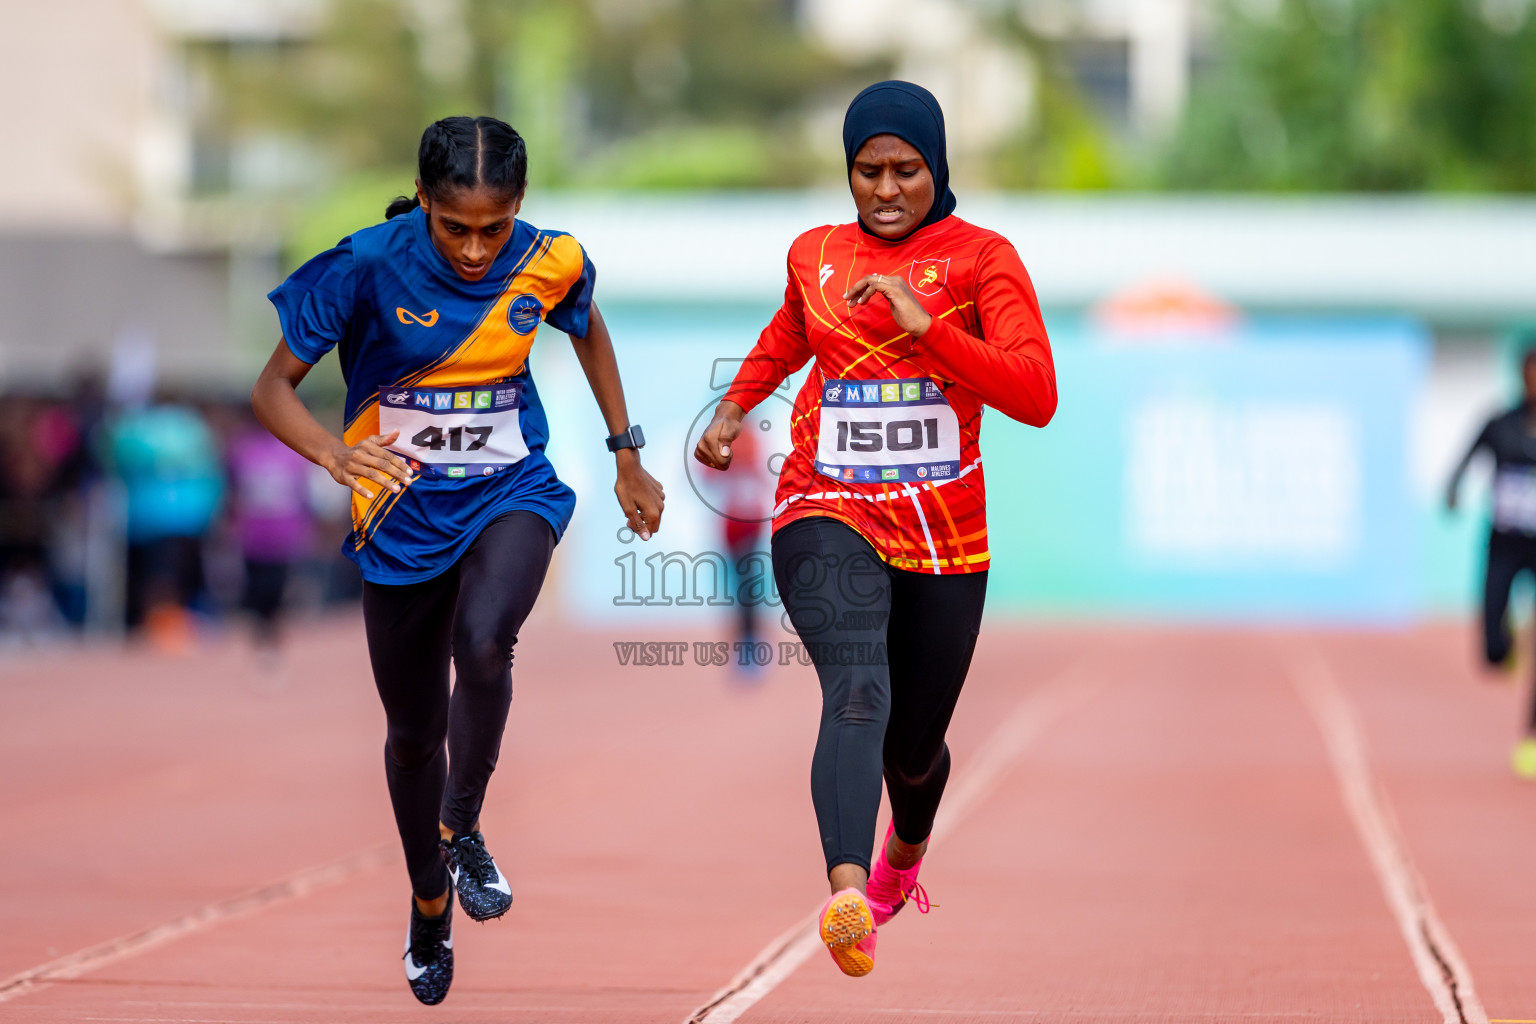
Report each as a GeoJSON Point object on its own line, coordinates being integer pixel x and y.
{"type": "Point", "coordinates": [465, 153]}
{"type": "Point", "coordinates": [400, 205]}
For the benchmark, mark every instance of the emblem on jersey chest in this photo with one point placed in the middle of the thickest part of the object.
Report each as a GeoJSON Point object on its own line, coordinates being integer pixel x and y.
{"type": "Point", "coordinates": [524, 313]}
{"type": "Point", "coordinates": [928, 277]}
{"type": "Point", "coordinates": [406, 317]}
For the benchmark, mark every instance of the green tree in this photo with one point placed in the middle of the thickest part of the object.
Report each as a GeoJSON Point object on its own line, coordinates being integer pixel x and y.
{"type": "Point", "coordinates": [708, 93]}
{"type": "Point", "coordinates": [1065, 144]}
{"type": "Point", "coordinates": [607, 92]}
{"type": "Point", "coordinates": [1364, 95]}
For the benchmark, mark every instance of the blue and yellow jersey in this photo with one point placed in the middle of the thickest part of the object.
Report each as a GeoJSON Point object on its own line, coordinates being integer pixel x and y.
{"type": "Point", "coordinates": [406, 324]}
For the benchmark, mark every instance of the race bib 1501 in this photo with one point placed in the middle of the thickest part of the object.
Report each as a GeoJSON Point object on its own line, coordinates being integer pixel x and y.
{"type": "Point", "coordinates": [455, 432]}
{"type": "Point", "coordinates": [892, 431]}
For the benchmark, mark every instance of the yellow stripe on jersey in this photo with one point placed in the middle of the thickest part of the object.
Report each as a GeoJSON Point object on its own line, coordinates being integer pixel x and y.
{"type": "Point", "coordinates": [493, 351]}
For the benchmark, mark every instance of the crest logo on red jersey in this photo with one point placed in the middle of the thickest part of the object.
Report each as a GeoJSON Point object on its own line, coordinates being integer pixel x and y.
{"type": "Point", "coordinates": [928, 277]}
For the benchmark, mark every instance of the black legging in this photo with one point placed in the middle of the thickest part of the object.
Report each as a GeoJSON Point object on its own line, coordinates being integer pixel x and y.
{"type": "Point", "coordinates": [891, 649]}
{"type": "Point", "coordinates": [471, 613]}
{"type": "Point", "coordinates": [1509, 554]}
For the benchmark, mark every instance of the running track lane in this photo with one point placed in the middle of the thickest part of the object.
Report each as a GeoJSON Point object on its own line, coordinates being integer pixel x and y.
{"type": "Point", "coordinates": [1175, 850]}
{"type": "Point", "coordinates": [1440, 733]}
{"type": "Point", "coordinates": [1172, 847]}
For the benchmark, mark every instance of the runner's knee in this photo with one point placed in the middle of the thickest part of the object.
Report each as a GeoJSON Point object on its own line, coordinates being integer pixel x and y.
{"type": "Point", "coordinates": [917, 770]}
{"type": "Point", "coordinates": [482, 654]}
{"type": "Point", "coordinates": [864, 699]}
{"type": "Point", "coordinates": [415, 746]}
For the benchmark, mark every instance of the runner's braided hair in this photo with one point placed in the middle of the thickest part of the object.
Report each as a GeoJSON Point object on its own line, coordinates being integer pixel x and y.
{"type": "Point", "coordinates": [467, 152]}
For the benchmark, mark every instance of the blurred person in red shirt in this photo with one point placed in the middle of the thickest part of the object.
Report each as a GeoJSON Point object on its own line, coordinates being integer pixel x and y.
{"type": "Point", "coordinates": [746, 505]}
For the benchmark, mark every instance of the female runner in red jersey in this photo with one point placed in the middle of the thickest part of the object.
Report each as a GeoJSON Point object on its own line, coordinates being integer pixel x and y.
{"type": "Point", "coordinates": [916, 320]}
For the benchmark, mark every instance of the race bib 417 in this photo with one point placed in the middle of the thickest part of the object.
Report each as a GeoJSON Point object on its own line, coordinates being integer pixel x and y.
{"type": "Point", "coordinates": [455, 432]}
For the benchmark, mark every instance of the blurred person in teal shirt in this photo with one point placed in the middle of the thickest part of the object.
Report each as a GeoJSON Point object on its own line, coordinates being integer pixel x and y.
{"type": "Point", "coordinates": [169, 464]}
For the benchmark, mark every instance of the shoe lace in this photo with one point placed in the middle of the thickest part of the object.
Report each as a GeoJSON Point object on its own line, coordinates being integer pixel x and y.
{"type": "Point", "coordinates": [426, 940]}
{"type": "Point", "coordinates": [473, 858]}
{"type": "Point", "coordinates": [918, 897]}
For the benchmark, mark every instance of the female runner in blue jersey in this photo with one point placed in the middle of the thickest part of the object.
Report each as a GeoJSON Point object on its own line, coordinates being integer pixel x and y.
{"type": "Point", "coordinates": [455, 508]}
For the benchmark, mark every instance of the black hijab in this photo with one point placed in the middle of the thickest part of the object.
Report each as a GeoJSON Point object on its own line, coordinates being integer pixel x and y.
{"type": "Point", "coordinates": [910, 113]}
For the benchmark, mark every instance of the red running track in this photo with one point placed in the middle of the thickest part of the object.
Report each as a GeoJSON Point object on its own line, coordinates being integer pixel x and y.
{"type": "Point", "coordinates": [1143, 826]}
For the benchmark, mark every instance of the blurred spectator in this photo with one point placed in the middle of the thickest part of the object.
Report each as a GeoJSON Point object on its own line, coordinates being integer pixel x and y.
{"type": "Point", "coordinates": [42, 449]}
{"type": "Point", "coordinates": [340, 580]}
{"type": "Point", "coordinates": [273, 522]}
{"type": "Point", "coordinates": [112, 518]}
{"type": "Point", "coordinates": [168, 462]}
{"type": "Point", "coordinates": [78, 487]}
{"type": "Point", "coordinates": [744, 497]}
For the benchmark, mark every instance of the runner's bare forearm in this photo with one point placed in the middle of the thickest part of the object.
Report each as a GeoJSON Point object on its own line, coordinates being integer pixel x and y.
{"type": "Point", "coordinates": [640, 495]}
{"type": "Point", "coordinates": [276, 403]}
{"type": "Point", "coordinates": [279, 408]}
{"type": "Point", "coordinates": [598, 362]}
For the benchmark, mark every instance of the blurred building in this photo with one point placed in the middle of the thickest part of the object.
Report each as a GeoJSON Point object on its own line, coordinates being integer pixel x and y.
{"type": "Point", "coordinates": [140, 228]}
{"type": "Point", "coordinates": [115, 221]}
{"type": "Point", "coordinates": [135, 221]}
{"type": "Point", "coordinates": [1132, 58]}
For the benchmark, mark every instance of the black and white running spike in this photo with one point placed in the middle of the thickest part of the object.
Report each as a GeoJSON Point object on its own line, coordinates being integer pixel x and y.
{"type": "Point", "coordinates": [429, 954]}
{"type": "Point", "coordinates": [483, 890]}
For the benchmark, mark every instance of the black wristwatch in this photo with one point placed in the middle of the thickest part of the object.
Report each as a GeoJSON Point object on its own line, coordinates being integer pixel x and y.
{"type": "Point", "coordinates": [631, 438]}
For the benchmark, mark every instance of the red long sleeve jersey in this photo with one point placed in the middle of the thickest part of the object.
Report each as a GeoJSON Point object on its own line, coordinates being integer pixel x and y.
{"type": "Point", "coordinates": [885, 430]}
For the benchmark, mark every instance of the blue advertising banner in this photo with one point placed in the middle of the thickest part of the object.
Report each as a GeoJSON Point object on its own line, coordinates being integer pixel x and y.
{"type": "Point", "coordinates": [1263, 475]}
{"type": "Point", "coordinates": [1258, 475]}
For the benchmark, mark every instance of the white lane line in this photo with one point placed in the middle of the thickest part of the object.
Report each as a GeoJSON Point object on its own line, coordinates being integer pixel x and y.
{"type": "Point", "coordinates": [184, 1020]}
{"type": "Point", "coordinates": [1440, 966]}
{"type": "Point", "coordinates": [330, 1011]}
{"type": "Point", "coordinates": [82, 961]}
{"type": "Point", "coordinates": [983, 773]}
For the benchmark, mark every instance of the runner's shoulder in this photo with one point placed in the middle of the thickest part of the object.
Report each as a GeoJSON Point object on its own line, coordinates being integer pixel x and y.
{"type": "Point", "coordinates": [562, 253]}
{"type": "Point", "coordinates": [973, 235]}
{"type": "Point", "coordinates": [381, 242]}
{"type": "Point", "coordinates": [555, 235]}
{"type": "Point", "coordinates": [810, 244]}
